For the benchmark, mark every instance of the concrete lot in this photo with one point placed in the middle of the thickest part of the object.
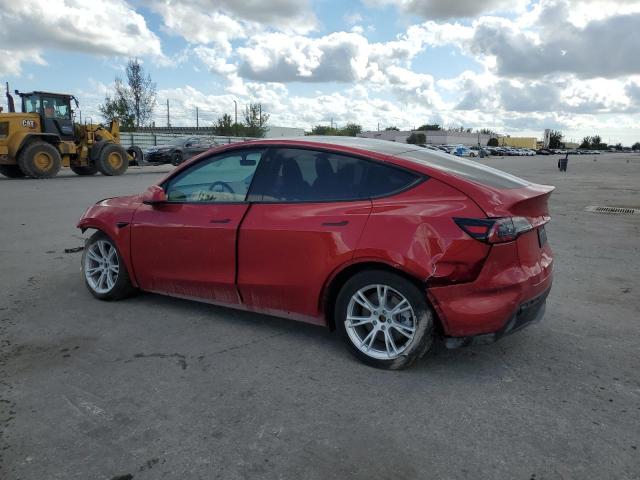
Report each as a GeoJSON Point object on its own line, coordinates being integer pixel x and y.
{"type": "Point", "coordinates": [154, 387]}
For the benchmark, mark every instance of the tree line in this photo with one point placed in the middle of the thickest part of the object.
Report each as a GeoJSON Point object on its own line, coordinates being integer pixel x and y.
{"type": "Point", "coordinates": [133, 101]}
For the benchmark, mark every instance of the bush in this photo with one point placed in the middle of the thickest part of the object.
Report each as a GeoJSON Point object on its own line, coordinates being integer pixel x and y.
{"type": "Point", "coordinates": [417, 138]}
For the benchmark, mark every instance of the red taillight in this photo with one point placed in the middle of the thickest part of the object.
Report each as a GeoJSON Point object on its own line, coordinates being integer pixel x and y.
{"type": "Point", "coordinates": [494, 230]}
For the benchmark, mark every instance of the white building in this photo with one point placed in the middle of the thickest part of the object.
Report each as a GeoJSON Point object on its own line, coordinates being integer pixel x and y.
{"type": "Point", "coordinates": [274, 132]}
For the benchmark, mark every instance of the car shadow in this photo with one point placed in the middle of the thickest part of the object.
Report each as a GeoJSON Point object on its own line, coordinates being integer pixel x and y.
{"type": "Point", "coordinates": [487, 361]}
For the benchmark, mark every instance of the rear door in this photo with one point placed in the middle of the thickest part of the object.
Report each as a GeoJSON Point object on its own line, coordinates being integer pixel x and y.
{"type": "Point", "coordinates": [308, 212]}
{"type": "Point", "coordinates": [187, 246]}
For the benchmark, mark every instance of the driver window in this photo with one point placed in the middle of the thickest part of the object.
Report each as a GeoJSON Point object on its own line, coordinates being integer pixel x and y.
{"type": "Point", "coordinates": [222, 178]}
{"type": "Point", "coordinates": [56, 107]}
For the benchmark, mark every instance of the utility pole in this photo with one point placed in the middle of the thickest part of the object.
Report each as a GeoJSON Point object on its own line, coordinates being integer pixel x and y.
{"type": "Point", "coordinates": [197, 119]}
{"type": "Point", "coordinates": [260, 118]}
{"type": "Point", "coordinates": [378, 126]}
{"type": "Point", "coordinates": [236, 124]}
{"type": "Point", "coordinates": [168, 115]}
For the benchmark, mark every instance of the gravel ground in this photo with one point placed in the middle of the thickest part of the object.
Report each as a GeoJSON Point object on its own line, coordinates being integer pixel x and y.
{"type": "Point", "coordinates": [154, 387]}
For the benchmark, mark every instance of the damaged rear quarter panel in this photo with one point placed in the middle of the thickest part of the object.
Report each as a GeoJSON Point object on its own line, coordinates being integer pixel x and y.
{"type": "Point", "coordinates": [415, 233]}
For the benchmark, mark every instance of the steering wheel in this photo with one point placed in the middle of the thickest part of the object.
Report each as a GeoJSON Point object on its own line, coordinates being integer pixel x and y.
{"type": "Point", "coordinates": [225, 186]}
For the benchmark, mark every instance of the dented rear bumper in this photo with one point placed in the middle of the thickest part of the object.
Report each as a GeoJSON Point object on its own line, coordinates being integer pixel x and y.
{"type": "Point", "coordinates": [527, 314]}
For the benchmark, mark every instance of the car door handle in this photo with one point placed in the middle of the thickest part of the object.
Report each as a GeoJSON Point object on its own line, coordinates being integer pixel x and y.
{"type": "Point", "coordinates": [220, 220]}
{"type": "Point", "coordinates": [335, 224]}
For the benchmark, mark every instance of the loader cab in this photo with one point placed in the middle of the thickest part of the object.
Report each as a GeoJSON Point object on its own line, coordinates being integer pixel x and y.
{"type": "Point", "coordinates": [54, 110]}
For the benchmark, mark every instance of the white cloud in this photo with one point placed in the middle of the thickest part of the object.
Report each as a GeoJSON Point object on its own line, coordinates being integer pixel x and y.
{"type": "Point", "coordinates": [99, 27]}
{"type": "Point", "coordinates": [12, 60]}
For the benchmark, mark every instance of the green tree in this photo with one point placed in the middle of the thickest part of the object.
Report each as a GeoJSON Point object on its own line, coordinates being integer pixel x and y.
{"type": "Point", "coordinates": [323, 130]}
{"type": "Point", "coordinates": [392, 128]}
{"type": "Point", "coordinates": [142, 92]}
{"type": "Point", "coordinates": [255, 120]}
{"type": "Point", "coordinates": [636, 146]}
{"type": "Point", "coordinates": [493, 142]}
{"type": "Point", "coordinates": [224, 125]}
{"type": "Point", "coordinates": [116, 106]}
{"type": "Point", "coordinates": [429, 127]}
{"type": "Point", "coordinates": [586, 143]}
{"type": "Point", "coordinates": [133, 103]}
{"type": "Point", "coordinates": [351, 130]}
{"type": "Point", "coordinates": [555, 139]}
{"type": "Point", "coordinates": [486, 131]}
{"type": "Point", "coordinates": [417, 138]}
{"type": "Point", "coordinates": [618, 146]}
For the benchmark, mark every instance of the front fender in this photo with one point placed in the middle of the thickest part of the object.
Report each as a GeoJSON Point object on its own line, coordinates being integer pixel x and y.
{"type": "Point", "coordinates": [115, 222]}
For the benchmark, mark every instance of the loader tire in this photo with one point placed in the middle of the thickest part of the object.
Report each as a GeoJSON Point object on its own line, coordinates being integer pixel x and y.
{"type": "Point", "coordinates": [137, 156]}
{"type": "Point", "coordinates": [40, 160]}
{"type": "Point", "coordinates": [113, 160]}
{"type": "Point", "coordinates": [84, 170]}
{"type": "Point", "coordinates": [11, 171]}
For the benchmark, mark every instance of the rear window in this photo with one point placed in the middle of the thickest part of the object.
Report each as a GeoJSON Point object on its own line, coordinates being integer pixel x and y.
{"type": "Point", "coordinates": [468, 169]}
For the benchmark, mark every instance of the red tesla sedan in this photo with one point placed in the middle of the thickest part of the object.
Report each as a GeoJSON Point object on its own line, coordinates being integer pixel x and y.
{"type": "Point", "coordinates": [391, 244]}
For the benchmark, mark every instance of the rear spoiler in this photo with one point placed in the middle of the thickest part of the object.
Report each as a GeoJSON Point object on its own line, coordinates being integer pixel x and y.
{"type": "Point", "coordinates": [531, 201]}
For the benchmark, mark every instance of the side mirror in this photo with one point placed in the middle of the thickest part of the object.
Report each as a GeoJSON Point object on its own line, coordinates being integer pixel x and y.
{"type": "Point", "coordinates": [154, 195]}
{"type": "Point", "coordinates": [187, 145]}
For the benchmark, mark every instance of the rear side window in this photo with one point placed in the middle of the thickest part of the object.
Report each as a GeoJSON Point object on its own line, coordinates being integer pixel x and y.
{"type": "Point", "coordinates": [468, 169]}
{"type": "Point", "coordinates": [4, 129]}
{"type": "Point", "coordinates": [297, 175]}
{"type": "Point", "coordinates": [385, 180]}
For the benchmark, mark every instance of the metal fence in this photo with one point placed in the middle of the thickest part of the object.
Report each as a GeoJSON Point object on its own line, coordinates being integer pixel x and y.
{"type": "Point", "coordinates": [150, 139]}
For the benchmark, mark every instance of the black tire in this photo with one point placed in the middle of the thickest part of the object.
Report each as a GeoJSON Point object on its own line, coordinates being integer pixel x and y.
{"type": "Point", "coordinates": [138, 156]}
{"type": "Point", "coordinates": [122, 287]}
{"type": "Point", "coordinates": [177, 158]}
{"type": "Point", "coordinates": [40, 160]}
{"type": "Point", "coordinates": [84, 170]}
{"type": "Point", "coordinates": [113, 160]}
{"type": "Point", "coordinates": [11, 171]}
{"type": "Point", "coordinates": [423, 318]}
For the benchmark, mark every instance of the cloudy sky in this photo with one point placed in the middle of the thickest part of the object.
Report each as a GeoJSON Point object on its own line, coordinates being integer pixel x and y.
{"type": "Point", "coordinates": [516, 66]}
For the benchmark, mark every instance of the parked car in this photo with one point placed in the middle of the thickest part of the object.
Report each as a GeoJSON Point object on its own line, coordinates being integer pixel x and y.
{"type": "Point", "coordinates": [543, 151]}
{"type": "Point", "coordinates": [462, 151]}
{"type": "Point", "coordinates": [178, 150]}
{"type": "Point", "coordinates": [300, 228]}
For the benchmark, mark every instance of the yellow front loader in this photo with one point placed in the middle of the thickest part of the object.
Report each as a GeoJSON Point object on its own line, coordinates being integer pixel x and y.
{"type": "Point", "coordinates": [43, 137]}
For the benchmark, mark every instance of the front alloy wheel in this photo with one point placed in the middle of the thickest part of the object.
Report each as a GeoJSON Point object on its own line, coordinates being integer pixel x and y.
{"type": "Point", "coordinates": [104, 273]}
{"type": "Point", "coordinates": [384, 318]}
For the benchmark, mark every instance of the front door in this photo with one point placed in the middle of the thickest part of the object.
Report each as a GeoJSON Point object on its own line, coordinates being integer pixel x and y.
{"type": "Point", "coordinates": [187, 246]}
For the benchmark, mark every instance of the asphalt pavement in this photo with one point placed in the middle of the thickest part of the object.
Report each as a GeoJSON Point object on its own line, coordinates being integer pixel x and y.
{"type": "Point", "coordinates": [154, 387]}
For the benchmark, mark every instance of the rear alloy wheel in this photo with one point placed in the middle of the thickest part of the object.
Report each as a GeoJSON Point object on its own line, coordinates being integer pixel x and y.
{"type": "Point", "coordinates": [113, 160]}
{"type": "Point", "coordinates": [385, 319]}
{"type": "Point", "coordinates": [40, 160]}
{"type": "Point", "coordinates": [105, 274]}
{"type": "Point", "coordinates": [11, 171]}
{"type": "Point", "coordinates": [84, 170]}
